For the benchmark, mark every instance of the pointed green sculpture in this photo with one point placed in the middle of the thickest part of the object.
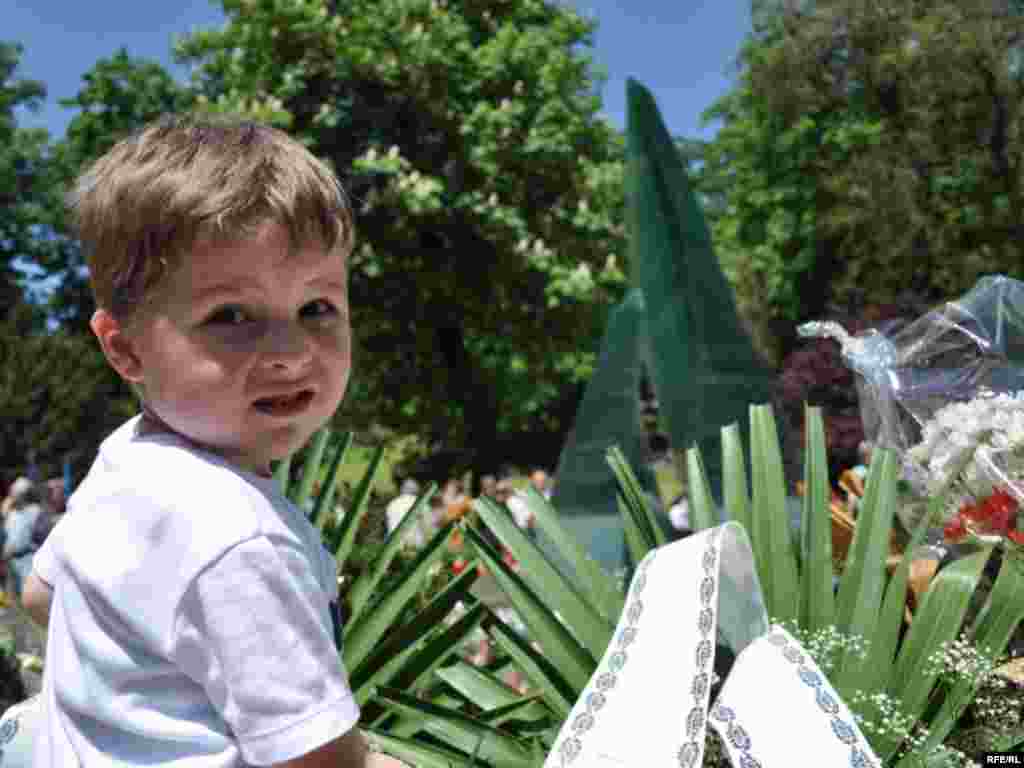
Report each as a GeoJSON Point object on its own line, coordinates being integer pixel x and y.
{"type": "Point", "coordinates": [680, 320]}
{"type": "Point", "coordinates": [705, 370]}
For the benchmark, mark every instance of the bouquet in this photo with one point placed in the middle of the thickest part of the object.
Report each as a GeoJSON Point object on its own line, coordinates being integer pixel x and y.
{"type": "Point", "coordinates": [946, 394]}
{"type": "Point", "coordinates": [972, 455]}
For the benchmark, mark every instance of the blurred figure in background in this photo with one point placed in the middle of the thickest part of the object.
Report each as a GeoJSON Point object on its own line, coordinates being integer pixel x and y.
{"type": "Point", "coordinates": [399, 507]}
{"type": "Point", "coordinates": [56, 491]}
{"type": "Point", "coordinates": [26, 524]}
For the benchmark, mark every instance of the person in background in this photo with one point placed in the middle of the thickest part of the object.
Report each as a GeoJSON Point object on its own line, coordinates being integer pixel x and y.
{"type": "Point", "coordinates": [679, 515]}
{"type": "Point", "coordinates": [488, 486]}
{"type": "Point", "coordinates": [25, 527]}
{"type": "Point", "coordinates": [542, 483]}
{"type": "Point", "coordinates": [399, 507]}
{"type": "Point", "coordinates": [57, 496]}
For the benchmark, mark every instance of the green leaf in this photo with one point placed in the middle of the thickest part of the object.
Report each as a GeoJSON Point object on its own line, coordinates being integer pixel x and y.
{"type": "Point", "coordinates": [544, 676]}
{"type": "Point", "coordinates": [772, 526]}
{"type": "Point", "coordinates": [346, 535]}
{"type": "Point", "coordinates": [462, 732]}
{"type": "Point", "coordinates": [565, 652]}
{"type": "Point", "coordinates": [281, 473]}
{"type": "Point", "coordinates": [325, 501]}
{"type": "Point", "coordinates": [367, 582]}
{"type": "Point", "coordinates": [399, 637]}
{"type": "Point", "coordinates": [588, 626]}
{"type": "Point", "coordinates": [818, 600]}
{"type": "Point", "coordinates": [311, 467]}
{"type": "Point", "coordinates": [863, 580]}
{"type": "Point", "coordinates": [704, 514]}
{"type": "Point", "coordinates": [636, 504]}
{"type": "Point", "coordinates": [734, 477]}
{"type": "Point", "coordinates": [999, 618]}
{"type": "Point", "coordinates": [415, 753]}
{"type": "Point", "coordinates": [603, 593]}
{"type": "Point", "coordinates": [877, 670]}
{"type": "Point", "coordinates": [936, 622]}
{"type": "Point", "coordinates": [417, 671]}
{"type": "Point", "coordinates": [365, 631]}
{"type": "Point", "coordinates": [477, 686]}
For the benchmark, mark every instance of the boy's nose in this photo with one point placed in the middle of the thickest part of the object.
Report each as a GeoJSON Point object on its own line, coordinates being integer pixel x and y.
{"type": "Point", "coordinates": [287, 346]}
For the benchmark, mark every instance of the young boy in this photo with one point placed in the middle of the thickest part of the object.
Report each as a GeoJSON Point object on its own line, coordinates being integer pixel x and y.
{"type": "Point", "coordinates": [192, 608]}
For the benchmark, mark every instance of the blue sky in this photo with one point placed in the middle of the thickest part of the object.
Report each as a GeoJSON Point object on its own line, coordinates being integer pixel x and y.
{"type": "Point", "coordinates": [682, 50]}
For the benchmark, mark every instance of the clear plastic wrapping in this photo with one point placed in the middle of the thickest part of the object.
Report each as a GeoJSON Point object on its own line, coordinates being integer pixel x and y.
{"type": "Point", "coordinates": [946, 393]}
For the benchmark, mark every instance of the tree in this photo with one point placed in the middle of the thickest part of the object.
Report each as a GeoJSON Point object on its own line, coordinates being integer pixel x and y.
{"type": "Point", "coordinates": [488, 194]}
{"type": "Point", "coordinates": [119, 95]}
{"type": "Point", "coordinates": [872, 147]}
{"type": "Point", "coordinates": [58, 398]}
{"type": "Point", "coordinates": [23, 188]}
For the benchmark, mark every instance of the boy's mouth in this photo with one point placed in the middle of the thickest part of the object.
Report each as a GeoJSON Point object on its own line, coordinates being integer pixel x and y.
{"type": "Point", "coordinates": [285, 405]}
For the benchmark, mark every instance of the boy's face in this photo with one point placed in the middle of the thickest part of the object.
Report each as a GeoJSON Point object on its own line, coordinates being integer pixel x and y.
{"type": "Point", "coordinates": [232, 329]}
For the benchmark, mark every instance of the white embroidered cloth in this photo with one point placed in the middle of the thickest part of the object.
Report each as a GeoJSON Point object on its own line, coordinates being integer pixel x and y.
{"type": "Point", "coordinates": [647, 702]}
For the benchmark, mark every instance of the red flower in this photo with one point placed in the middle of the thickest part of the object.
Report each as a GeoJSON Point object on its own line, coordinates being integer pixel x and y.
{"type": "Point", "coordinates": [1017, 537]}
{"type": "Point", "coordinates": [458, 566]}
{"type": "Point", "coordinates": [1002, 510]}
{"type": "Point", "coordinates": [955, 528]}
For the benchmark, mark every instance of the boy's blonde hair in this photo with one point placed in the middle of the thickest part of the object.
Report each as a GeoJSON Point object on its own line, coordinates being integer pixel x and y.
{"type": "Point", "coordinates": [141, 207]}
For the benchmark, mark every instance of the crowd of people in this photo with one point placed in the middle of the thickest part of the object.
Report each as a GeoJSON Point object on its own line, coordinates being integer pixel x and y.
{"type": "Point", "coordinates": [453, 502]}
{"type": "Point", "coordinates": [29, 510]}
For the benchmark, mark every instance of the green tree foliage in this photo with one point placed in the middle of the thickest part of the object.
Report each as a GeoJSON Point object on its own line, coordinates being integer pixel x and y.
{"type": "Point", "coordinates": [58, 399]}
{"type": "Point", "coordinates": [23, 186]}
{"type": "Point", "coordinates": [870, 148]}
{"type": "Point", "coordinates": [488, 194]}
{"type": "Point", "coordinates": [119, 94]}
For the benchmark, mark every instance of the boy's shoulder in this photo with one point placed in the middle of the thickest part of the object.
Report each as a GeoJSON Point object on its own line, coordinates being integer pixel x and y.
{"type": "Point", "coordinates": [163, 480]}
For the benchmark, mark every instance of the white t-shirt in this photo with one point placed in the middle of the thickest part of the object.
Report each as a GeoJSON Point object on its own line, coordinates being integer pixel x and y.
{"type": "Point", "coordinates": [193, 617]}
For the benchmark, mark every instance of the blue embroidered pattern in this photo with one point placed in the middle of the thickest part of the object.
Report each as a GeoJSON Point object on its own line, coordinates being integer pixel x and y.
{"type": "Point", "coordinates": [690, 753]}
{"type": "Point", "coordinates": [842, 729]}
{"type": "Point", "coordinates": [603, 683]}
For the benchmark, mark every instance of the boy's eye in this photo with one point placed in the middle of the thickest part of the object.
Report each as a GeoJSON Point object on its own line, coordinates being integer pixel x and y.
{"type": "Point", "coordinates": [319, 308]}
{"type": "Point", "coordinates": [227, 316]}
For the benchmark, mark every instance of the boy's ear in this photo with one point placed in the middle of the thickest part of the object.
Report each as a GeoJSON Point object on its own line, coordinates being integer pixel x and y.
{"type": "Point", "coordinates": [117, 345]}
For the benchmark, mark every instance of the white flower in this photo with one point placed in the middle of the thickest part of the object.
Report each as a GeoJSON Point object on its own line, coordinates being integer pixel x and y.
{"type": "Point", "coordinates": [968, 449]}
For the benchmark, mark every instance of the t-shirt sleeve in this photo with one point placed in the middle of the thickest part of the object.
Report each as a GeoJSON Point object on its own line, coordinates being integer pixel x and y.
{"type": "Point", "coordinates": [44, 562]}
{"type": "Point", "coordinates": [254, 629]}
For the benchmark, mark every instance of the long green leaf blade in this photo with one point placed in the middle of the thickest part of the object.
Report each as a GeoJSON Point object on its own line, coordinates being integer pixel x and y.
{"type": "Point", "coordinates": [818, 600]}
{"type": "Point", "coordinates": [937, 622]}
{"type": "Point", "coordinates": [398, 638]}
{"type": "Point", "coordinates": [325, 501]}
{"type": "Point", "coordinates": [415, 753]}
{"type": "Point", "coordinates": [350, 523]}
{"type": "Point", "coordinates": [453, 727]}
{"type": "Point", "coordinates": [636, 502]}
{"type": "Point", "coordinates": [544, 676]}
{"type": "Point", "coordinates": [559, 645]}
{"type": "Point", "coordinates": [703, 514]}
{"type": "Point", "coordinates": [311, 466]}
{"type": "Point", "coordinates": [575, 608]}
{"type": "Point", "coordinates": [478, 686]}
{"type": "Point", "coordinates": [363, 632]}
{"type": "Point", "coordinates": [734, 477]}
{"type": "Point", "coordinates": [368, 581]}
{"type": "Point", "coordinates": [1001, 615]}
{"type": "Point", "coordinates": [772, 525]}
{"type": "Point", "coordinates": [604, 594]}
